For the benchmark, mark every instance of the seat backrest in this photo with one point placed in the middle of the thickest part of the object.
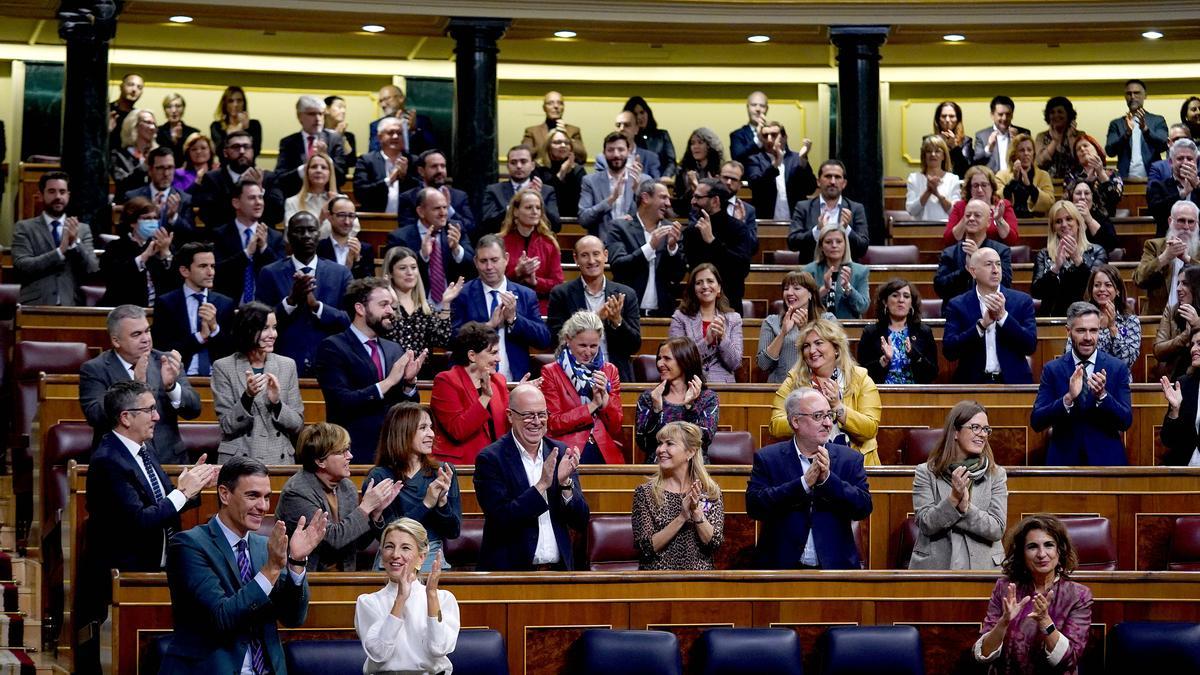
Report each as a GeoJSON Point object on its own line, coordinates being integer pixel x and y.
{"type": "Point", "coordinates": [782, 257]}
{"type": "Point", "coordinates": [860, 541]}
{"type": "Point", "coordinates": [880, 650]}
{"type": "Point", "coordinates": [1019, 253]}
{"type": "Point", "coordinates": [919, 444]}
{"type": "Point", "coordinates": [645, 368]}
{"type": "Point", "coordinates": [604, 652]}
{"type": "Point", "coordinates": [1093, 541]}
{"type": "Point", "coordinates": [200, 438]}
{"type": "Point", "coordinates": [539, 361]}
{"type": "Point", "coordinates": [1184, 552]}
{"type": "Point", "coordinates": [32, 357]}
{"type": "Point", "coordinates": [479, 652]}
{"type": "Point", "coordinates": [324, 657]}
{"type": "Point", "coordinates": [931, 308]}
{"type": "Point", "coordinates": [463, 552]}
{"type": "Point", "coordinates": [732, 651]}
{"type": "Point", "coordinates": [92, 295]}
{"type": "Point", "coordinates": [902, 254]}
{"type": "Point", "coordinates": [64, 441]}
{"type": "Point", "coordinates": [748, 309]}
{"type": "Point", "coordinates": [731, 447]}
{"type": "Point", "coordinates": [906, 539]}
{"type": "Point", "coordinates": [1153, 647]}
{"type": "Point", "coordinates": [610, 544]}
{"type": "Point", "coordinates": [898, 215]}
{"type": "Point", "coordinates": [1116, 255]}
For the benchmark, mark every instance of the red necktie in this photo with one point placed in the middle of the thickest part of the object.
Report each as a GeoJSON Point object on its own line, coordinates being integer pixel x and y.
{"type": "Point", "coordinates": [376, 357]}
{"type": "Point", "coordinates": [308, 153]}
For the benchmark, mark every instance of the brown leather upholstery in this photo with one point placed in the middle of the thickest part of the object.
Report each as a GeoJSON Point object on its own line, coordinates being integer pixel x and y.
{"type": "Point", "coordinates": [907, 538]}
{"type": "Point", "coordinates": [645, 368]}
{"type": "Point", "coordinates": [905, 254]}
{"type": "Point", "coordinates": [610, 544]}
{"type": "Point", "coordinates": [1184, 554]}
{"type": "Point", "coordinates": [463, 553]}
{"type": "Point", "coordinates": [9, 293]}
{"type": "Point", "coordinates": [899, 216]}
{"type": "Point", "coordinates": [1019, 253]}
{"type": "Point", "coordinates": [64, 441]}
{"type": "Point", "coordinates": [731, 447]}
{"type": "Point", "coordinates": [781, 257]}
{"type": "Point", "coordinates": [931, 308]}
{"type": "Point", "coordinates": [92, 295]}
{"type": "Point", "coordinates": [200, 438]}
{"type": "Point", "coordinates": [860, 541]}
{"type": "Point", "coordinates": [749, 310]}
{"type": "Point", "coordinates": [919, 444]}
{"type": "Point", "coordinates": [1093, 541]}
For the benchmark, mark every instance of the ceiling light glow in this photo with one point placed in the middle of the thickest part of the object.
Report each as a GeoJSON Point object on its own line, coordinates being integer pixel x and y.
{"type": "Point", "coordinates": [565, 33]}
{"type": "Point", "coordinates": [759, 38]}
{"type": "Point", "coordinates": [373, 28]}
{"type": "Point", "coordinates": [180, 18]}
{"type": "Point", "coordinates": [954, 37]}
{"type": "Point", "coordinates": [1152, 35]}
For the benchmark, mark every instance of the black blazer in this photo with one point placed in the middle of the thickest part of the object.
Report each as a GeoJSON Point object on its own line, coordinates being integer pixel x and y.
{"type": "Point", "coordinates": [952, 278]}
{"type": "Point", "coordinates": [184, 226]}
{"type": "Point", "coordinates": [364, 267]}
{"type": "Point", "coordinates": [624, 240]}
{"type": "Point", "coordinates": [623, 342]}
{"type": "Point", "coordinates": [495, 205]}
{"type": "Point", "coordinates": [658, 142]}
{"type": "Point", "coordinates": [1179, 434]}
{"type": "Point", "coordinates": [741, 143]}
{"type": "Point", "coordinates": [923, 358]}
{"type": "Point", "coordinates": [173, 328]}
{"type": "Point", "coordinates": [460, 211]}
{"type": "Point", "coordinates": [732, 248]}
{"type": "Point", "coordinates": [213, 195]}
{"type": "Point", "coordinates": [293, 152]}
{"type": "Point", "coordinates": [164, 139]}
{"type": "Point", "coordinates": [231, 258]}
{"type": "Point", "coordinates": [217, 133]}
{"type": "Point", "coordinates": [798, 179]}
{"type": "Point", "coordinates": [370, 181]}
{"type": "Point", "coordinates": [409, 236]}
{"type": "Point", "coordinates": [124, 283]}
{"type": "Point", "coordinates": [566, 190]}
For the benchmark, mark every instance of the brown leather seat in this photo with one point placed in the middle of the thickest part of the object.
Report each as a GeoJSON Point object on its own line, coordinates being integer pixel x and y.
{"type": "Point", "coordinates": [64, 442]}
{"type": "Point", "coordinates": [1093, 541]}
{"type": "Point", "coordinates": [201, 438]}
{"type": "Point", "coordinates": [919, 444]}
{"type": "Point", "coordinates": [906, 539]}
{"type": "Point", "coordinates": [610, 544]}
{"type": "Point", "coordinates": [778, 257]}
{"type": "Point", "coordinates": [1019, 253]}
{"type": "Point", "coordinates": [904, 254]}
{"type": "Point", "coordinates": [645, 368]}
{"type": "Point", "coordinates": [749, 310]}
{"type": "Point", "coordinates": [92, 295]}
{"type": "Point", "coordinates": [860, 541]}
{"type": "Point", "coordinates": [898, 215]}
{"type": "Point", "coordinates": [931, 308]}
{"type": "Point", "coordinates": [731, 447]}
{"type": "Point", "coordinates": [463, 553]}
{"type": "Point", "coordinates": [1184, 553]}
{"type": "Point", "coordinates": [1116, 255]}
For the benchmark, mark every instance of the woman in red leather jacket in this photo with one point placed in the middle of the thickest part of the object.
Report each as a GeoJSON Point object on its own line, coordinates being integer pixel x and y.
{"type": "Point", "coordinates": [583, 392]}
{"type": "Point", "coordinates": [470, 400]}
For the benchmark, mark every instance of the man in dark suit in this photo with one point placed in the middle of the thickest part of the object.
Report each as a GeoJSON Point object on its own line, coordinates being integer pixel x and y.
{"type": "Point", "coordinates": [195, 320]}
{"type": "Point", "coordinates": [431, 167]}
{"type": "Point", "coordinates": [52, 253]}
{"type": "Point", "coordinates": [1084, 396]}
{"type": "Point", "coordinates": [779, 177]}
{"type": "Point", "coordinates": [335, 121]}
{"type": "Point", "coordinates": [437, 240]}
{"type": "Point", "coordinates": [731, 176]}
{"type": "Point", "coordinates": [132, 508]}
{"type": "Point", "coordinates": [214, 193]}
{"type": "Point", "coordinates": [416, 130]}
{"type": "Point", "coordinates": [1164, 258]}
{"type": "Point", "coordinates": [1182, 185]}
{"type": "Point", "coordinates": [520, 177]}
{"type": "Point", "coordinates": [992, 143]}
{"type": "Point", "coordinates": [1136, 138]}
{"type": "Point", "coordinates": [529, 492]}
{"type": "Point", "coordinates": [134, 358]}
{"type": "Point", "coordinates": [362, 375]}
{"type": "Point", "coordinates": [806, 492]}
{"type": "Point", "coordinates": [1161, 170]}
{"type": "Point", "coordinates": [744, 141]}
{"type": "Point", "coordinates": [508, 307]}
{"type": "Point", "coordinates": [175, 212]}
{"type": "Point", "coordinates": [828, 209]}
{"type": "Point", "coordinates": [952, 277]}
{"type": "Point", "coordinates": [616, 305]}
{"type": "Point", "coordinates": [296, 148]}
{"type": "Point", "coordinates": [224, 611]}
{"type": "Point", "coordinates": [341, 246]}
{"type": "Point", "coordinates": [306, 294]}
{"type": "Point", "coordinates": [990, 329]}
{"type": "Point", "coordinates": [648, 248]}
{"type": "Point", "coordinates": [714, 236]}
{"type": "Point", "coordinates": [245, 245]}
{"type": "Point", "coordinates": [382, 175]}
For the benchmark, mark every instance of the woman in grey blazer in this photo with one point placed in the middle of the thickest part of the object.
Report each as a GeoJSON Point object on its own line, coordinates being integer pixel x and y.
{"type": "Point", "coordinates": [960, 497]}
{"type": "Point", "coordinates": [256, 393]}
{"type": "Point", "coordinates": [704, 316]}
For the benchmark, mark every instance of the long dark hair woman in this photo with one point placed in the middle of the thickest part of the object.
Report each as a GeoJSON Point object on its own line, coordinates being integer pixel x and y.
{"type": "Point", "coordinates": [682, 395]}
{"type": "Point", "coordinates": [1178, 323]}
{"type": "Point", "coordinates": [948, 123]}
{"type": "Point", "coordinates": [898, 348]}
{"type": "Point", "coordinates": [702, 160]}
{"type": "Point", "coordinates": [651, 138]}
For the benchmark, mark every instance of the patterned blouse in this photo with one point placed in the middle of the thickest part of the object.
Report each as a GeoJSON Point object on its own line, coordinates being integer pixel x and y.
{"type": "Point", "coordinates": [1106, 194]}
{"type": "Point", "coordinates": [418, 331]}
{"type": "Point", "coordinates": [1126, 345]}
{"type": "Point", "coordinates": [685, 551]}
{"type": "Point", "coordinates": [1023, 650]}
{"type": "Point", "coordinates": [1062, 162]}
{"type": "Point", "coordinates": [704, 414]}
{"type": "Point", "coordinates": [900, 369]}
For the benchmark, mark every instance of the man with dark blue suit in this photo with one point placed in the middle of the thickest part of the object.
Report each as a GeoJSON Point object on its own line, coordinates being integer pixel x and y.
{"type": "Point", "coordinates": [806, 491]}
{"type": "Point", "coordinates": [362, 375]}
{"type": "Point", "coordinates": [510, 308]}
{"type": "Point", "coordinates": [175, 211]}
{"type": "Point", "coordinates": [714, 236]}
{"type": "Point", "coordinates": [520, 177]}
{"type": "Point", "coordinates": [779, 176]}
{"type": "Point", "coordinates": [452, 255]}
{"type": "Point", "coordinates": [731, 176]}
{"type": "Point", "coordinates": [195, 320]}
{"type": "Point", "coordinates": [132, 508]}
{"type": "Point", "coordinates": [990, 329]}
{"type": "Point", "coordinates": [246, 245]}
{"type": "Point", "coordinates": [416, 130]}
{"type": "Point", "coordinates": [1161, 170]}
{"type": "Point", "coordinates": [213, 193]}
{"type": "Point", "coordinates": [744, 140]}
{"type": "Point", "coordinates": [529, 491]}
{"type": "Point", "coordinates": [229, 585]}
{"type": "Point", "coordinates": [1084, 396]}
{"type": "Point", "coordinates": [306, 294]}
{"type": "Point", "coordinates": [1182, 185]}
{"type": "Point", "coordinates": [952, 277]}
{"type": "Point", "coordinates": [431, 167]}
{"type": "Point", "coordinates": [382, 175]}
{"type": "Point", "coordinates": [295, 149]}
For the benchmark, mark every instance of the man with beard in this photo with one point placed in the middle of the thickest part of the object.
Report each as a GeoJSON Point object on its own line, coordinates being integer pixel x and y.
{"type": "Point", "coordinates": [520, 177]}
{"type": "Point", "coordinates": [1084, 398]}
{"type": "Point", "coordinates": [306, 293]}
{"type": "Point", "coordinates": [244, 244]}
{"type": "Point", "coordinates": [645, 252]}
{"type": "Point", "coordinates": [431, 168]}
{"type": "Point", "coordinates": [52, 253]}
{"type": "Point", "coordinates": [362, 375]}
{"type": "Point", "coordinates": [626, 125]}
{"type": "Point", "coordinates": [213, 193]}
{"type": "Point", "coordinates": [1182, 185]}
{"type": "Point", "coordinates": [828, 209]}
{"type": "Point", "coordinates": [714, 236]}
{"type": "Point", "coordinates": [608, 195]}
{"type": "Point", "coordinates": [1163, 258]}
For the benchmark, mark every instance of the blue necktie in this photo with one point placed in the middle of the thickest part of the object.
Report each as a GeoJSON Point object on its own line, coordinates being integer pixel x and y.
{"type": "Point", "coordinates": [248, 280]}
{"type": "Point", "coordinates": [203, 362]}
{"type": "Point", "coordinates": [258, 659]}
{"type": "Point", "coordinates": [56, 230]}
{"type": "Point", "coordinates": [155, 486]}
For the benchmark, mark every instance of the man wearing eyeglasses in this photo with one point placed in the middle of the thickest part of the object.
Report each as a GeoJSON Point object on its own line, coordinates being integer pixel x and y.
{"type": "Point", "coordinates": [1084, 397]}
{"type": "Point", "coordinates": [214, 193]}
{"type": "Point", "coordinates": [529, 492]}
{"type": "Point", "coordinates": [714, 236]}
{"type": "Point", "coordinates": [342, 246]}
{"type": "Point", "coordinates": [806, 492]}
{"type": "Point", "coordinates": [779, 176]}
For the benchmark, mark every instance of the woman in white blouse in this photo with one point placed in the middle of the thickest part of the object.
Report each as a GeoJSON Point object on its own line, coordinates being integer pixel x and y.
{"type": "Point", "coordinates": [407, 626]}
{"type": "Point", "coordinates": [933, 190]}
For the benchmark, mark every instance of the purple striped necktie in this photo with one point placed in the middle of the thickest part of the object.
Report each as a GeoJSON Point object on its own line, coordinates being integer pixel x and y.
{"type": "Point", "coordinates": [258, 659]}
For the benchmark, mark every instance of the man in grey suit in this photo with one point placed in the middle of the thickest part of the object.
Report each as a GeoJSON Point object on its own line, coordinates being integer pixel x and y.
{"type": "Point", "coordinates": [520, 177]}
{"type": "Point", "coordinates": [598, 202]}
{"type": "Point", "coordinates": [991, 143]}
{"type": "Point", "coordinates": [52, 253]}
{"type": "Point", "coordinates": [828, 209]}
{"type": "Point", "coordinates": [133, 357]}
{"type": "Point", "coordinates": [1137, 138]}
{"type": "Point", "coordinates": [646, 252]}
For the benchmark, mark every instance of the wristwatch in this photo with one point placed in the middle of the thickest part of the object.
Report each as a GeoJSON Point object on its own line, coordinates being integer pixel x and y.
{"type": "Point", "coordinates": [298, 562]}
{"type": "Point", "coordinates": [1050, 629]}
{"type": "Point", "coordinates": [567, 484]}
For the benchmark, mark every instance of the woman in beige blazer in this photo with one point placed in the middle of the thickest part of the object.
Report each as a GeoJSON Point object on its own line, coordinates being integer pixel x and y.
{"type": "Point", "coordinates": [256, 393]}
{"type": "Point", "coordinates": [960, 497]}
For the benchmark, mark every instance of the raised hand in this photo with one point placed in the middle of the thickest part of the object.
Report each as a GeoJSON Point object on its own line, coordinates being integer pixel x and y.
{"type": "Point", "coordinates": [960, 486]}
{"type": "Point", "coordinates": [272, 388]}
{"type": "Point", "coordinates": [1075, 386]}
{"type": "Point", "coordinates": [704, 227]}
{"type": "Point", "coordinates": [969, 246]}
{"type": "Point", "coordinates": [451, 292]}
{"type": "Point", "coordinates": [171, 364]}
{"type": "Point", "coordinates": [1012, 608]}
{"type": "Point", "coordinates": [1172, 393]}
{"type": "Point", "coordinates": [656, 395]}
{"type": "Point", "coordinates": [1041, 607]}
{"type": "Point", "coordinates": [307, 536]}
{"type": "Point", "coordinates": [255, 383]}
{"type": "Point", "coordinates": [139, 368]}
{"type": "Point", "coordinates": [844, 278]}
{"type": "Point", "coordinates": [885, 345]}
{"type": "Point", "coordinates": [695, 386]}
{"type": "Point", "coordinates": [453, 235]}
{"type": "Point", "coordinates": [716, 330]}
{"type": "Point", "coordinates": [195, 478]}
{"type": "Point", "coordinates": [547, 477]}
{"type": "Point", "coordinates": [570, 461]}
{"type": "Point", "coordinates": [1096, 382]}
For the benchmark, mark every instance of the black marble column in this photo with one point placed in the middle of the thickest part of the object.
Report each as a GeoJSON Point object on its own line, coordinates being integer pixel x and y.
{"type": "Point", "coordinates": [475, 135]}
{"type": "Point", "coordinates": [87, 26]}
{"type": "Point", "coordinates": [859, 140]}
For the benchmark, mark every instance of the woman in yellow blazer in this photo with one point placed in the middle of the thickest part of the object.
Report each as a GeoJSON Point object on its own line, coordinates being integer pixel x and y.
{"type": "Point", "coordinates": [827, 365]}
{"type": "Point", "coordinates": [1026, 186]}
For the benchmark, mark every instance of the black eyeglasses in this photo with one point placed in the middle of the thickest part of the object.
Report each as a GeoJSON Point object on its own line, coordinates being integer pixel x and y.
{"type": "Point", "coordinates": [978, 429]}
{"type": "Point", "coordinates": [149, 410]}
{"type": "Point", "coordinates": [531, 417]}
{"type": "Point", "coordinates": [344, 215]}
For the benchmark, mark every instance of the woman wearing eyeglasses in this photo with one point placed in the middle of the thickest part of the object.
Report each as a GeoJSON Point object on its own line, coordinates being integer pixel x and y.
{"type": "Point", "coordinates": [469, 400]}
{"type": "Point", "coordinates": [960, 497]}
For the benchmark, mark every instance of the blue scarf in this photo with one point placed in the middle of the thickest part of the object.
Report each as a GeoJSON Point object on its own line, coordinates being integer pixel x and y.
{"type": "Point", "coordinates": [580, 373]}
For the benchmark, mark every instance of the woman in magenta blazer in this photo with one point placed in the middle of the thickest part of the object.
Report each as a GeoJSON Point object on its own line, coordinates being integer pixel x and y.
{"type": "Point", "coordinates": [583, 392]}
{"type": "Point", "coordinates": [469, 400]}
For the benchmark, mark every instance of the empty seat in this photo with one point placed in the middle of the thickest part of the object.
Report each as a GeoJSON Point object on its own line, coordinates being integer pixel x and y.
{"type": "Point", "coordinates": [628, 652]}
{"type": "Point", "coordinates": [645, 368]}
{"type": "Point", "coordinates": [92, 295]}
{"type": "Point", "coordinates": [1184, 552]}
{"type": "Point", "coordinates": [201, 438]}
{"type": "Point", "coordinates": [731, 447]}
{"type": "Point", "coordinates": [931, 308]}
{"type": "Point", "coordinates": [919, 444]}
{"type": "Point", "coordinates": [610, 544]}
{"type": "Point", "coordinates": [906, 539]}
{"type": "Point", "coordinates": [463, 552]}
{"type": "Point", "coordinates": [324, 657]}
{"type": "Point", "coordinates": [1154, 647]}
{"type": "Point", "coordinates": [903, 254]}
{"type": "Point", "coordinates": [1116, 255]}
{"type": "Point", "coordinates": [871, 650]}
{"type": "Point", "coordinates": [763, 651]}
{"type": "Point", "coordinates": [1093, 541]}
{"type": "Point", "coordinates": [479, 652]}
{"type": "Point", "coordinates": [898, 215]}
{"type": "Point", "coordinates": [749, 311]}
{"type": "Point", "coordinates": [782, 257]}
{"type": "Point", "coordinates": [1019, 253]}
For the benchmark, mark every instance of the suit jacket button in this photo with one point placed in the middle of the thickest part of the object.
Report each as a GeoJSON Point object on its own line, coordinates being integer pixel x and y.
{"type": "Point", "coordinates": [278, 433]}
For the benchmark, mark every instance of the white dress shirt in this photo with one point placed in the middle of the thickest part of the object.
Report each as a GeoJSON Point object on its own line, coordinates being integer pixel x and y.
{"type": "Point", "coordinates": [393, 200]}
{"type": "Point", "coordinates": [193, 366]}
{"type": "Point", "coordinates": [650, 295]}
{"type": "Point", "coordinates": [782, 212]}
{"type": "Point", "coordinates": [504, 367]}
{"type": "Point", "coordinates": [992, 361]}
{"type": "Point", "coordinates": [1001, 150]}
{"type": "Point", "coordinates": [412, 643]}
{"type": "Point", "coordinates": [594, 303]}
{"type": "Point", "coordinates": [546, 551]}
{"type": "Point", "coordinates": [177, 498]}
{"type": "Point", "coordinates": [1137, 165]}
{"type": "Point", "coordinates": [174, 394]}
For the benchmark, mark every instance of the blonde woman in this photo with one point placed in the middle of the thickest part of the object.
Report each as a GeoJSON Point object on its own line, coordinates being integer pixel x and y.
{"type": "Point", "coordinates": [315, 191]}
{"type": "Point", "coordinates": [417, 326]}
{"type": "Point", "coordinates": [933, 190]}
{"type": "Point", "coordinates": [826, 365]}
{"type": "Point", "coordinates": [534, 258]}
{"type": "Point", "coordinates": [678, 515]}
{"type": "Point", "coordinates": [1061, 270]}
{"type": "Point", "coordinates": [129, 164]}
{"type": "Point", "coordinates": [233, 114]}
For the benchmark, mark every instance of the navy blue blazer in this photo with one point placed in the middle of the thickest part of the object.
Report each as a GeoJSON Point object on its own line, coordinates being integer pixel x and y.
{"type": "Point", "coordinates": [409, 237]}
{"type": "Point", "coordinates": [1161, 197]}
{"type": "Point", "coordinates": [184, 226]}
{"type": "Point", "coordinates": [302, 330]}
{"type": "Point", "coordinates": [293, 153]}
{"type": "Point", "coordinates": [215, 614]}
{"type": "Point", "coordinates": [420, 137]}
{"type": "Point", "coordinates": [776, 496]}
{"type": "Point", "coordinates": [528, 330]}
{"type": "Point", "coordinates": [213, 195]}
{"type": "Point", "coordinates": [1015, 340]}
{"type": "Point", "coordinates": [741, 143]}
{"type": "Point", "coordinates": [365, 267]}
{"type": "Point", "coordinates": [370, 181]}
{"type": "Point", "coordinates": [952, 278]}
{"type": "Point", "coordinates": [173, 326]}
{"type": "Point", "coordinates": [799, 180]}
{"type": "Point", "coordinates": [511, 507]}
{"type": "Point", "coordinates": [230, 254]}
{"type": "Point", "coordinates": [460, 211]}
{"type": "Point", "coordinates": [348, 378]}
{"type": "Point", "coordinates": [1090, 433]}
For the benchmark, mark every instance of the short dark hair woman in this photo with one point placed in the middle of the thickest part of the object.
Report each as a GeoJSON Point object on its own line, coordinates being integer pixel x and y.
{"type": "Point", "coordinates": [898, 348]}
{"type": "Point", "coordinates": [469, 400]}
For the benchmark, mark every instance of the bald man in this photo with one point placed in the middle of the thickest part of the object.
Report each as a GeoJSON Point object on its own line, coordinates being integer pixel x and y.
{"type": "Point", "coordinates": [990, 329]}
{"type": "Point", "coordinates": [416, 130]}
{"type": "Point", "coordinates": [535, 136]}
{"type": "Point", "coordinates": [952, 277]}
{"type": "Point", "coordinates": [745, 140]}
{"type": "Point", "coordinates": [529, 491]}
